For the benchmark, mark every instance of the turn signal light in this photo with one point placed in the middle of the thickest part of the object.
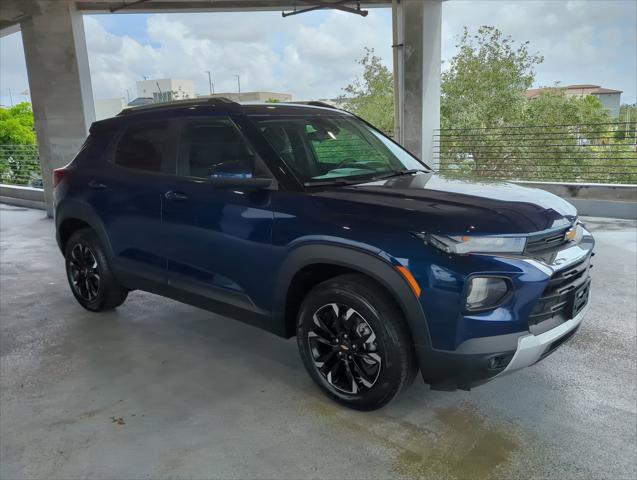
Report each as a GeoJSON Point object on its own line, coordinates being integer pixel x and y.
{"type": "Point", "coordinates": [410, 279]}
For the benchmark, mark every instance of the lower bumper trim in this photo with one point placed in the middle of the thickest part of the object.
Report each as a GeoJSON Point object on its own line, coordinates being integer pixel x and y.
{"type": "Point", "coordinates": [532, 348]}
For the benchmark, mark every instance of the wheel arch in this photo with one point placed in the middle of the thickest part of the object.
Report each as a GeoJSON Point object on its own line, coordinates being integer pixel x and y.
{"type": "Point", "coordinates": [332, 260]}
{"type": "Point", "coordinates": [71, 217]}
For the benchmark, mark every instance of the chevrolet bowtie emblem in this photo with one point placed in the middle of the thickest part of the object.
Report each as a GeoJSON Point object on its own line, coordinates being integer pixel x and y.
{"type": "Point", "coordinates": [570, 235]}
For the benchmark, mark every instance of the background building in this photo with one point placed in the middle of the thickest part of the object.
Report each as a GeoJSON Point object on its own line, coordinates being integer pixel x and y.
{"type": "Point", "coordinates": [611, 99]}
{"type": "Point", "coordinates": [108, 107]}
{"type": "Point", "coordinates": [166, 89]}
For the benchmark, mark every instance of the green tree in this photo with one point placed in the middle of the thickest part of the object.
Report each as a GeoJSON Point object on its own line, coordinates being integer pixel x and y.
{"type": "Point", "coordinates": [486, 80]}
{"type": "Point", "coordinates": [16, 125]}
{"type": "Point", "coordinates": [372, 96]}
{"type": "Point", "coordinates": [483, 89]}
{"type": "Point", "coordinates": [628, 113]}
{"type": "Point", "coordinates": [18, 151]}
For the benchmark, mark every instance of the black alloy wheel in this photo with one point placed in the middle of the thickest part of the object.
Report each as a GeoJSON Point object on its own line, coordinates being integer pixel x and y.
{"type": "Point", "coordinates": [344, 348]}
{"type": "Point", "coordinates": [90, 277]}
{"type": "Point", "coordinates": [355, 342]}
{"type": "Point", "coordinates": [84, 272]}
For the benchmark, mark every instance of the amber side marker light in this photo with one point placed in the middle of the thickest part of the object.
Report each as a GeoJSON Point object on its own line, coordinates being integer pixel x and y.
{"type": "Point", "coordinates": [410, 279]}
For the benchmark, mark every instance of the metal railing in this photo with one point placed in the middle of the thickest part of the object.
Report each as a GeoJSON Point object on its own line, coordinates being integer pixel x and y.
{"type": "Point", "coordinates": [20, 165]}
{"type": "Point", "coordinates": [590, 153]}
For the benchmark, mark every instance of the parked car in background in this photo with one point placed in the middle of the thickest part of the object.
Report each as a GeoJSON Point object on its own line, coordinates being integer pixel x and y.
{"type": "Point", "coordinates": [306, 221]}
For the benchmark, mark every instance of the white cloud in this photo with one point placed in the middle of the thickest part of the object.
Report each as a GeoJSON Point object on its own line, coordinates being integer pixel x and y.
{"type": "Point", "coordinates": [267, 51]}
{"type": "Point", "coordinates": [313, 55]}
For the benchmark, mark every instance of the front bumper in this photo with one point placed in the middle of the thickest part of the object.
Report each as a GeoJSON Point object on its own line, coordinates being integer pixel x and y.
{"type": "Point", "coordinates": [533, 348]}
{"type": "Point", "coordinates": [483, 359]}
{"type": "Point", "coordinates": [552, 316]}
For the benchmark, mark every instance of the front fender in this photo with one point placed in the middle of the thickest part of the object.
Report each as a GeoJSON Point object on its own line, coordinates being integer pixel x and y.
{"type": "Point", "coordinates": [371, 262]}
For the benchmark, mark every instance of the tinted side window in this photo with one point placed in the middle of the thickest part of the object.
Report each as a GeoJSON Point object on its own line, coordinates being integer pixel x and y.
{"type": "Point", "coordinates": [94, 147]}
{"type": "Point", "coordinates": [147, 146]}
{"type": "Point", "coordinates": [215, 149]}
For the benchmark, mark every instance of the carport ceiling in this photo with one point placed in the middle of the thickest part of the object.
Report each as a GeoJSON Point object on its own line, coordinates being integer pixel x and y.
{"type": "Point", "coordinates": [12, 12]}
{"type": "Point", "coordinates": [129, 6]}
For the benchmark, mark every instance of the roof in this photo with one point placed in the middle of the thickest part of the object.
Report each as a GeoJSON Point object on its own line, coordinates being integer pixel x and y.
{"type": "Point", "coordinates": [607, 90]}
{"type": "Point", "coordinates": [221, 104]}
{"type": "Point", "coordinates": [587, 89]}
{"type": "Point", "coordinates": [140, 101]}
{"type": "Point", "coordinates": [584, 85]}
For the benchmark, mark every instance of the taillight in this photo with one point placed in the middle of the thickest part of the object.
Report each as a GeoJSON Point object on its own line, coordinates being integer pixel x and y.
{"type": "Point", "coordinates": [58, 175]}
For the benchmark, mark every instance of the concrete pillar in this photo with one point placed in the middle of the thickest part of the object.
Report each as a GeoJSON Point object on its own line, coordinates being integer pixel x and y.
{"type": "Point", "coordinates": [59, 84]}
{"type": "Point", "coordinates": [417, 60]}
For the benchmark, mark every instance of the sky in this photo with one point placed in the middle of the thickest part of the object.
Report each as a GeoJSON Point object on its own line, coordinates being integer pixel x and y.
{"type": "Point", "coordinates": [314, 55]}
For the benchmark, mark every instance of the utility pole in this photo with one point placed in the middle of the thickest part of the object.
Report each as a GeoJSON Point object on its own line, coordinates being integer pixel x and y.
{"type": "Point", "coordinates": [239, 85]}
{"type": "Point", "coordinates": [11, 97]}
{"type": "Point", "coordinates": [127, 96]}
{"type": "Point", "coordinates": [211, 86]}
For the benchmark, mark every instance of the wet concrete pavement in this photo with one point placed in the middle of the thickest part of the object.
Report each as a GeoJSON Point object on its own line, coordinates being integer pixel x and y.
{"type": "Point", "coordinates": [158, 389]}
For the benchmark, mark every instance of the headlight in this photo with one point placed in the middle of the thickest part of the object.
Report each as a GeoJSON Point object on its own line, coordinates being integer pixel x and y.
{"type": "Point", "coordinates": [485, 292]}
{"type": "Point", "coordinates": [575, 233]}
{"type": "Point", "coordinates": [475, 244]}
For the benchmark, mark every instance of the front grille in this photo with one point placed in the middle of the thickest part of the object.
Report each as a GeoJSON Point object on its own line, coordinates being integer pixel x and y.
{"type": "Point", "coordinates": [546, 241]}
{"type": "Point", "coordinates": [557, 301]}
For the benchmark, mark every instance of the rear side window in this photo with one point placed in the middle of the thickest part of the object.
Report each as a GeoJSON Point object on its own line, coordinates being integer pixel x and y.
{"type": "Point", "coordinates": [215, 149]}
{"type": "Point", "coordinates": [94, 147]}
{"type": "Point", "coordinates": [148, 146]}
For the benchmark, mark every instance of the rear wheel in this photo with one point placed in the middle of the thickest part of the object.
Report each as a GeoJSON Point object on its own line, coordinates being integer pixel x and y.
{"type": "Point", "coordinates": [354, 342]}
{"type": "Point", "coordinates": [89, 274]}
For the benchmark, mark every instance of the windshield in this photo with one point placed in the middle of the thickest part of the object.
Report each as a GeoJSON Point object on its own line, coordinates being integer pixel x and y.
{"type": "Point", "coordinates": [334, 149]}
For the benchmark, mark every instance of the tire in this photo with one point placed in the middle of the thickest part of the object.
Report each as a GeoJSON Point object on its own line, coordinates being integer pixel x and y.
{"type": "Point", "coordinates": [374, 351]}
{"type": "Point", "coordinates": [89, 274]}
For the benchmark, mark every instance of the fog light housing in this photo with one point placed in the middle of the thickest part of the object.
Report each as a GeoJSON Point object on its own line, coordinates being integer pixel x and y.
{"type": "Point", "coordinates": [486, 292]}
{"type": "Point", "coordinates": [499, 362]}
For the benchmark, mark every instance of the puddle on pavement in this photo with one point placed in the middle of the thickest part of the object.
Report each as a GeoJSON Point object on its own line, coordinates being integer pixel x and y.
{"type": "Point", "coordinates": [458, 444]}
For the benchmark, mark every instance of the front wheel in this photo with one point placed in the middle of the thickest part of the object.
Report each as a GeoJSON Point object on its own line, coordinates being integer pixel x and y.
{"type": "Point", "coordinates": [354, 342]}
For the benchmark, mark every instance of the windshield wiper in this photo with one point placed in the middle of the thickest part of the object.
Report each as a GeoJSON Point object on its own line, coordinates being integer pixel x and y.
{"type": "Point", "coordinates": [399, 173]}
{"type": "Point", "coordinates": [333, 183]}
{"type": "Point", "coordinates": [342, 182]}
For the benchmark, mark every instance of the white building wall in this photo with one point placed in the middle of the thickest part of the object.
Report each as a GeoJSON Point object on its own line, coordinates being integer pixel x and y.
{"type": "Point", "coordinates": [611, 102]}
{"type": "Point", "coordinates": [161, 88]}
{"type": "Point", "coordinates": [108, 107]}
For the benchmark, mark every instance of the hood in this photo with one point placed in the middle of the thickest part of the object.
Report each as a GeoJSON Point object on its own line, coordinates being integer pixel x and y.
{"type": "Point", "coordinates": [446, 205]}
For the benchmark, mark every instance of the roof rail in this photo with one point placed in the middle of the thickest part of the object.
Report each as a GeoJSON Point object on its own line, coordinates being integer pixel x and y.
{"type": "Point", "coordinates": [214, 101]}
{"type": "Point", "coordinates": [316, 103]}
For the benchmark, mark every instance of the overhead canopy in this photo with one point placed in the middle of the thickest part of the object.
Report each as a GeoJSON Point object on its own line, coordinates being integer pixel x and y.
{"type": "Point", "coordinates": [229, 5]}
{"type": "Point", "coordinates": [15, 11]}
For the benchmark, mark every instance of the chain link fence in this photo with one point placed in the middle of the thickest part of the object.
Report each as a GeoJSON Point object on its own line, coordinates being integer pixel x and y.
{"type": "Point", "coordinates": [592, 153]}
{"type": "Point", "coordinates": [20, 165]}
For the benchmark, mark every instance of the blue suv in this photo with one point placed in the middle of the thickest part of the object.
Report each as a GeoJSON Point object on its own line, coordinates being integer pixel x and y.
{"type": "Point", "coordinates": [306, 221]}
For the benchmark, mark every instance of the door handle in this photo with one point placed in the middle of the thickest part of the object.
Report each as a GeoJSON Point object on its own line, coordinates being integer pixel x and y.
{"type": "Point", "coordinates": [96, 185]}
{"type": "Point", "coordinates": [173, 195]}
